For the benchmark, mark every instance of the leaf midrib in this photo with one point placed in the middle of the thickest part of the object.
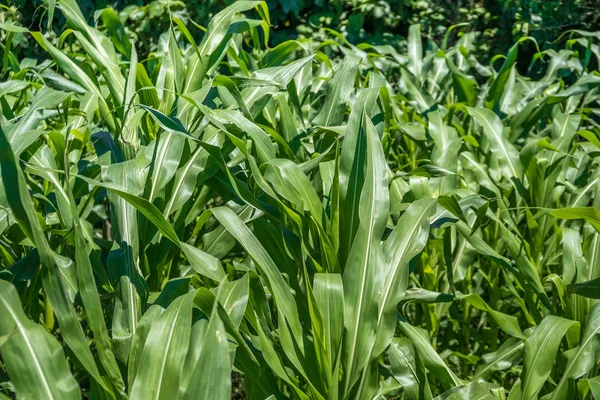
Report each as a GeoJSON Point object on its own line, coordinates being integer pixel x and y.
{"type": "Point", "coordinates": [37, 364]}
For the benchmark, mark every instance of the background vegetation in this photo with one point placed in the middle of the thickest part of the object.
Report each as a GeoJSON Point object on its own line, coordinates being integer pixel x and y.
{"type": "Point", "coordinates": [498, 23]}
{"type": "Point", "coordinates": [345, 200]}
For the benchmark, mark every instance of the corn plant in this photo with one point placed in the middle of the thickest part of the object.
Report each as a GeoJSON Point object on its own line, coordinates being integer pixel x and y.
{"type": "Point", "coordinates": [320, 219]}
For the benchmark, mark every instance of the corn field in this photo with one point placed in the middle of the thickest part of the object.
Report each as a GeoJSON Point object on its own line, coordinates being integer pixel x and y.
{"type": "Point", "coordinates": [314, 220]}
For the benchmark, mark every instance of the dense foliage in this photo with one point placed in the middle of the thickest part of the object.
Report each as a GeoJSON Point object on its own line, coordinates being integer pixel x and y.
{"type": "Point", "coordinates": [320, 219]}
{"type": "Point", "coordinates": [497, 23]}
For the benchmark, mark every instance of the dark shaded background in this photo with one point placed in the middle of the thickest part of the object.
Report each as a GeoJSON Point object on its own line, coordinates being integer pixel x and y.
{"type": "Point", "coordinates": [498, 23]}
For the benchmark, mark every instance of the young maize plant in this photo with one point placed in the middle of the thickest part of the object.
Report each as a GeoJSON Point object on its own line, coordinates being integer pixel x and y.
{"type": "Point", "coordinates": [320, 219]}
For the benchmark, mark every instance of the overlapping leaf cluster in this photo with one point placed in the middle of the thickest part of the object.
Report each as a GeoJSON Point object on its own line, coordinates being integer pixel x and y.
{"type": "Point", "coordinates": [327, 221]}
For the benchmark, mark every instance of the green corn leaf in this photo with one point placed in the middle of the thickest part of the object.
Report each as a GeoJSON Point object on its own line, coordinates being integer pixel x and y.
{"type": "Point", "coordinates": [409, 370]}
{"type": "Point", "coordinates": [362, 279]}
{"type": "Point", "coordinates": [539, 354]}
{"type": "Point", "coordinates": [589, 214]}
{"type": "Point", "coordinates": [499, 360]}
{"type": "Point", "coordinates": [405, 242]}
{"type": "Point", "coordinates": [501, 148]}
{"type": "Point", "coordinates": [340, 88]}
{"type": "Point", "coordinates": [33, 357]}
{"type": "Point", "coordinates": [163, 352]}
{"type": "Point", "coordinates": [54, 282]}
{"type": "Point", "coordinates": [580, 358]}
{"type": "Point", "coordinates": [329, 296]}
